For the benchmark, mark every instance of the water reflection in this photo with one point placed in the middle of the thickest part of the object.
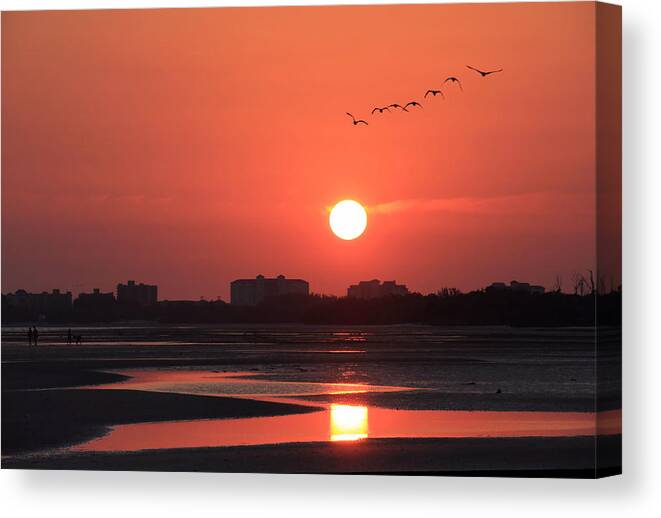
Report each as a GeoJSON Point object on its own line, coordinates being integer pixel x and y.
{"type": "Point", "coordinates": [250, 385]}
{"type": "Point", "coordinates": [330, 422]}
{"type": "Point", "coordinates": [348, 423]}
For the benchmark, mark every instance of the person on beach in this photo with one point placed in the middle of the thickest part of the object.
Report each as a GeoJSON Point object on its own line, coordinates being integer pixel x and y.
{"type": "Point", "coordinates": [35, 335]}
{"type": "Point", "coordinates": [69, 338]}
{"type": "Point", "coordinates": [29, 336]}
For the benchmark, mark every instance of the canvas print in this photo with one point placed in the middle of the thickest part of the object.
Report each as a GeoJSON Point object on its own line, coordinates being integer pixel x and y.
{"type": "Point", "coordinates": [343, 239]}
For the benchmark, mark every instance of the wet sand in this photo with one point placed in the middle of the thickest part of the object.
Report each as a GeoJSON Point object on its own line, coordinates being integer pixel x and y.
{"type": "Point", "coordinates": [34, 420]}
{"type": "Point", "coordinates": [523, 457]}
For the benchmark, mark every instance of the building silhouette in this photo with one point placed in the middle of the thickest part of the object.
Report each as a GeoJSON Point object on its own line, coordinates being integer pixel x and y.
{"type": "Point", "coordinates": [516, 287]}
{"type": "Point", "coordinates": [95, 301]}
{"type": "Point", "coordinates": [250, 292]}
{"type": "Point", "coordinates": [137, 294]}
{"type": "Point", "coordinates": [43, 303]}
{"type": "Point", "coordinates": [374, 289]}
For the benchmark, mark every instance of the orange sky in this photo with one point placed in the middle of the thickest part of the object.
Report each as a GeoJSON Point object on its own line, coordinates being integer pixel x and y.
{"type": "Point", "coordinates": [190, 147]}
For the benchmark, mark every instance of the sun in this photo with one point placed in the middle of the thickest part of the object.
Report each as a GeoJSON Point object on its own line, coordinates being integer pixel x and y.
{"type": "Point", "coordinates": [348, 219]}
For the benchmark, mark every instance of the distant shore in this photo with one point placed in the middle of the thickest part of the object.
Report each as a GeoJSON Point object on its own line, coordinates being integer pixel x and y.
{"type": "Point", "coordinates": [447, 307]}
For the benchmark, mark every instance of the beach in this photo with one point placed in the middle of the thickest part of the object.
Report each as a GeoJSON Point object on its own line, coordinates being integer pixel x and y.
{"type": "Point", "coordinates": [311, 399]}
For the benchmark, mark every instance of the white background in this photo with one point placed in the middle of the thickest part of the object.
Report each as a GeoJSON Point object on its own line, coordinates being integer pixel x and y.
{"type": "Point", "coordinates": [636, 493]}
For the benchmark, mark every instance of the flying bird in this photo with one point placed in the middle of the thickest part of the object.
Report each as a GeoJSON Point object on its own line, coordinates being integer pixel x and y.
{"type": "Point", "coordinates": [434, 93]}
{"type": "Point", "coordinates": [397, 106]}
{"type": "Point", "coordinates": [381, 110]}
{"type": "Point", "coordinates": [482, 73]}
{"type": "Point", "coordinates": [454, 80]}
{"type": "Point", "coordinates": [356, 122]}
{"type": "Point", "coordinates": [412, 103]}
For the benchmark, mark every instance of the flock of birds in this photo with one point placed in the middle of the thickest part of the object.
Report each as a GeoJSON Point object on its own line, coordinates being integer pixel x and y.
{"type": "Point", "coordinates": [433, 93]}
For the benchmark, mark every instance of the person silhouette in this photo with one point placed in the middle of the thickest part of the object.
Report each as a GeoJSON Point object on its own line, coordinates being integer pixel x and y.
{"type": "Point", "coordinates": [69, 336]}
{"type": "Point", "coordinates": [35, 335]}
{"type": "Point", "coordinates": [29, 336]}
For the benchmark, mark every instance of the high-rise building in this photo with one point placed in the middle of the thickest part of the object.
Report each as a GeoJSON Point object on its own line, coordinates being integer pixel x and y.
{"type": "Point", "coordinates": [516, 287]}
{"type": "Point", "coordinates": [95, 300]}
{"type": "Point", "coordinates": [43, 302]}
{"type": "Point", "coordinates": [250, 292]}
{"type": "Point", "coordinates": [374, 289]}
{"type": "Point", "coordinates": [137, 294]}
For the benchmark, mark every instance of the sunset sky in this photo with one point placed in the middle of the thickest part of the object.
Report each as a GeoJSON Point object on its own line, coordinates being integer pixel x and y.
{"type": "Point", "coordinates": [191, 147]}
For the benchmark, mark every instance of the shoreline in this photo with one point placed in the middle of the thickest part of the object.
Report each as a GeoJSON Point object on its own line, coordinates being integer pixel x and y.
{"type": "Point", "coordinates": [35, 420]}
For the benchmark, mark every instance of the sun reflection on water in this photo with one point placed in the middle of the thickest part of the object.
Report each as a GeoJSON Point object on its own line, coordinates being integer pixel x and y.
{"type": "Point", "coordinates": [348, 423]}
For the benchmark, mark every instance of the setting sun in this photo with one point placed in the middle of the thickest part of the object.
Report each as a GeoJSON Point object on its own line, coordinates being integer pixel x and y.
{"type": "Point", "coordinates": [348, 219]}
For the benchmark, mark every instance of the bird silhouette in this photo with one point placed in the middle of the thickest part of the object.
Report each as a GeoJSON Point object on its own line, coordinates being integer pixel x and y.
{"type": "Point", "coordinates": [381, 110]}
{"type": "Point", "coordinates": [397, 106]}
{"type": "Point", "coordinates": [356, 122]}
{"type": "Point", "coordinates": [412, 103]}
{"type": "Point", "coordinates": [483, 73]}
{"type": "Point", "coordinates": [434, 93]}
{"type": "Point", "coordinates": [453, 79]}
